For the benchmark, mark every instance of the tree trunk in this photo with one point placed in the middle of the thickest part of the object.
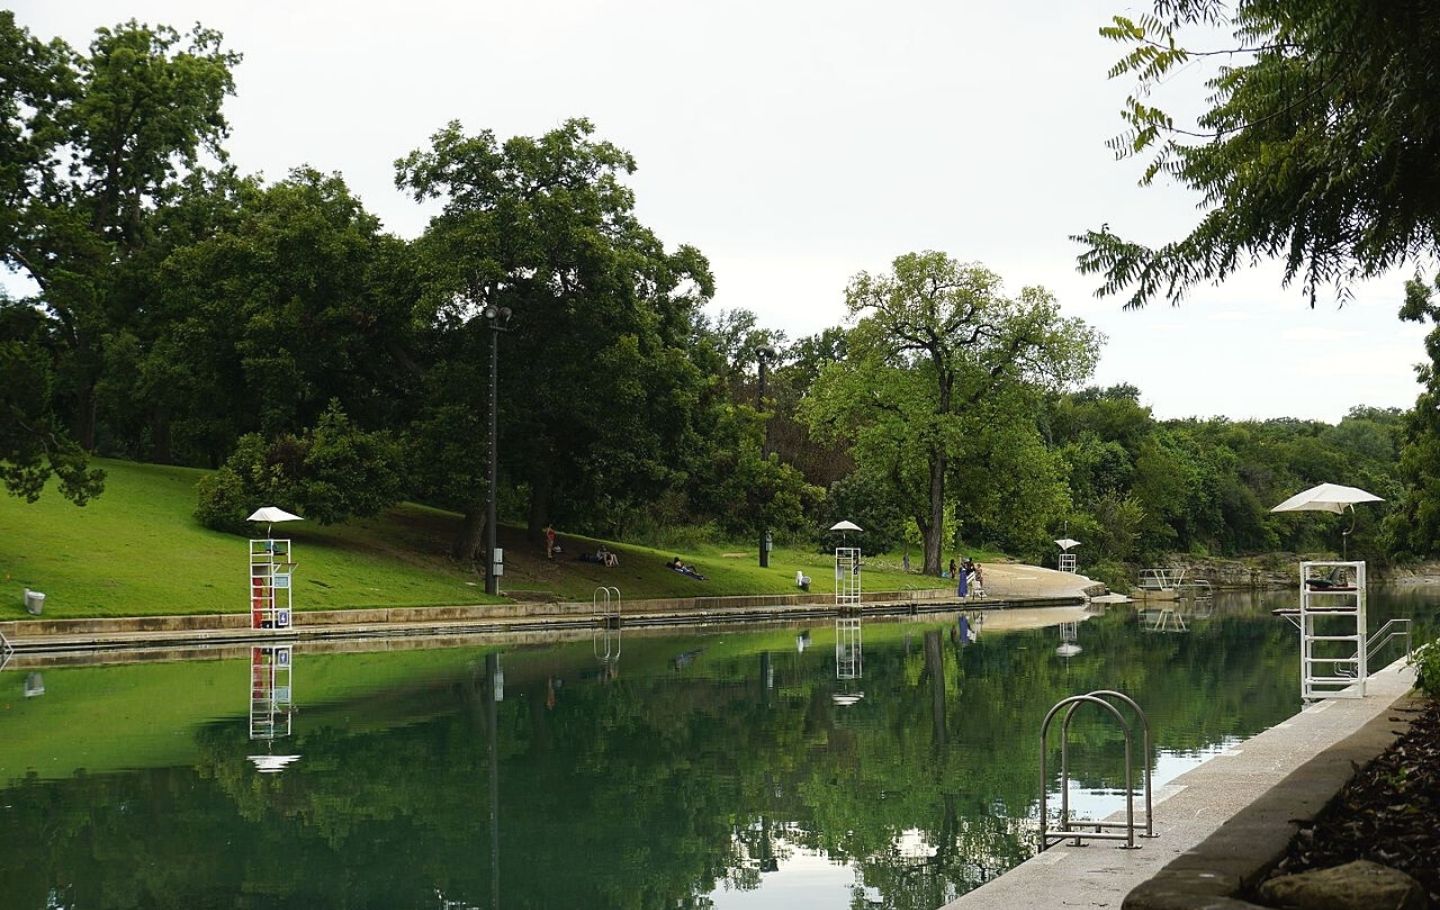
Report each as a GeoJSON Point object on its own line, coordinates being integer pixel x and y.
{"type": "Point", "coordinates": [539, 505]}
{"type": "Point", "coordinates": [85, 410]}
{"type": "Point", "coordinates": [160, 450]}
{"type": "Point", "coordinates": [934, 531]}
{"type": "Point", "coordinates": [469, 545]}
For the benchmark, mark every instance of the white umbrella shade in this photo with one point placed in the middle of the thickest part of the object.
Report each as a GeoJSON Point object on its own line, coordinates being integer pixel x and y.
{"type": "Point", "coordinates": [1330, 497]}
{"type": "Point", "coordinates": [1327, 497]}
{"type": "Point", "coordinates": [270, 515]}
{"type": "Point", "coordinates": [1066, 543]}
{"type": "Point", "coordinates": [845, 526]}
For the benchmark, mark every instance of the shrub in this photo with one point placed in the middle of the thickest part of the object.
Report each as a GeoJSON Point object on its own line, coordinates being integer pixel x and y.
{"type": "Point", "coordinates": [333, 472]}
{"type": "Point", "coordinates": [223, 500]}
{"type": "Point", "coordinates": [1426, 661]}
{"type": "Point", "coordinates": [1114, 575]}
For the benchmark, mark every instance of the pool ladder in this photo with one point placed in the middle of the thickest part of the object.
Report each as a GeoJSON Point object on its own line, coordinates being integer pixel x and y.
{"type": "Point", "coordinates": [1068, 829]}
{"type": "Point", "coordinates": [605, 611]}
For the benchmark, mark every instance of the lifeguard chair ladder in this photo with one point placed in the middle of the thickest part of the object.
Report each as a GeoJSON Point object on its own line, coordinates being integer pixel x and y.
{"type": "Point", "coordinates": [270, 575]}
{"type": "Point", "coordinates": [1333, 646]}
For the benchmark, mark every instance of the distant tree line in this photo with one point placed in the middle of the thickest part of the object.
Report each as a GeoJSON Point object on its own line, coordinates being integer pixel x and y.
{"type": "Point", "coordinates": [274, 331]}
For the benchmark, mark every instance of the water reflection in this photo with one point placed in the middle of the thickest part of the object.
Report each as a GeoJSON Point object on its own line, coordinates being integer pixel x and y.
{"type": "Point", "coordinates": [849, 659]}
{"type": "Point", "coordinates": [1069, 634]}
{"type": "Point", "coordinates": [431, 777]}
{"type": "Point", "coordinates": [271, 704]}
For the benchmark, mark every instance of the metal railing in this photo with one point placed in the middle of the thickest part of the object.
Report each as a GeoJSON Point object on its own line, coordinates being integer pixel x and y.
{"type": "Point", "coordinates": [7, 651]}
{"type": "Point", "coordinates": [1068, 829]}
{"type": "Point", "coordinates": [605, 611]}
{"type": "Point", "coordinates": [1392, 630]}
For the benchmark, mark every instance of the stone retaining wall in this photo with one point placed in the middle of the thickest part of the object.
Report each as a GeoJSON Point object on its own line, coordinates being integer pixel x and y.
{"type": "Point", "coordinates": [32, 628]}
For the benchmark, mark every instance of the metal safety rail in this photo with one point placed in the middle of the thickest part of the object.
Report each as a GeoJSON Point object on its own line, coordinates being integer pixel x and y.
{"type": "Point", "coordinates": [1392, 630]}
{"type": "Point", "coordinates": [605, 609]}
{"type": "Point", "coordinates": [1095, 830]}
{"type": "Point", "coordinates": [7, 650]}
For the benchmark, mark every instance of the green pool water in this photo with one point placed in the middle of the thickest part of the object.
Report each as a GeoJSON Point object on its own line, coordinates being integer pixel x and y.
{"type": "Point", "coordinates": [725, 767]}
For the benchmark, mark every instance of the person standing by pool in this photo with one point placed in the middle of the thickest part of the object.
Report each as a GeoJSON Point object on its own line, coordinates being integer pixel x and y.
{"type": "Point", "coordinates": [953, 568]}
{"type": "Point", "coordinates": [549, 542]}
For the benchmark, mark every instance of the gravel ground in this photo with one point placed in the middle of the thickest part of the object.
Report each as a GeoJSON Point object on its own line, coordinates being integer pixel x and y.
{"type": "Point", "coordinates": [1389, 813]}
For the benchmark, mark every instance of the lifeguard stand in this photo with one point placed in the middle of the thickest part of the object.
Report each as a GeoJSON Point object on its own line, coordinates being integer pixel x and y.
{"type": "Point", "coordinates": [1332, 630]}
{"type": "Point", "coordinates": [1067, 561]}
{"type": "Point", "coordinates": [849, 648]}
{"type": "Point", "coordinates": [271, 569]}
{"type": "Point", "coordinates": [847, 576]}
{"type": "Point", "coordinates": [848, 643]}
{"type": "Point", "coordinates": [270, 693]}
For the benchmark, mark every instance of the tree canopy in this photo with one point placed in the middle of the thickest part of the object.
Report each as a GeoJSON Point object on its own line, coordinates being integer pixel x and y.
{"type": "Point", "coordinates": [1319, 144]}
{"type": "Point", "coordinates": [935, 357]}
{"type": "Point", "coordinates": [187, 313]}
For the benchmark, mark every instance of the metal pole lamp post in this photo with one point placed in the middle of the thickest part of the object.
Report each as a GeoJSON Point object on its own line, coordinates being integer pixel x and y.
{"type": "Point", "coordinates": [763, 356]}
{"type": "Point", "coordinates": [498, 318]}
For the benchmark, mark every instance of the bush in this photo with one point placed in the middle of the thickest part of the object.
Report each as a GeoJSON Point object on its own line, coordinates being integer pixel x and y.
{"type": "Point", "coordinates": [333, 472]}
{"type": "Point", "coordinates": [1115, 576]}
{"type": "Point", "coordinates": [1426, 661]}
{"type": "Point", "coordinates": [223, 499]}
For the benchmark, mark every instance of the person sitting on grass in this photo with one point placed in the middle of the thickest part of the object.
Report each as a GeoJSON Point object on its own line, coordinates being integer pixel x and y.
{"type": "Point", "coordinates": [606, 558]}
{"type": "Point", "coordinates": [675, 565]}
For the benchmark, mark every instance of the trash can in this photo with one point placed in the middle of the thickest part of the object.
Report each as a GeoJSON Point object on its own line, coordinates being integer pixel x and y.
{"type": "Point", "coordinates": [34, 602]}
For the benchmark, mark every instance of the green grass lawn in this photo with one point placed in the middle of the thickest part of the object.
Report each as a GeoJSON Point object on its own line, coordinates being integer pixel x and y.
{"type": "Point", "coordinates": [137, 551]}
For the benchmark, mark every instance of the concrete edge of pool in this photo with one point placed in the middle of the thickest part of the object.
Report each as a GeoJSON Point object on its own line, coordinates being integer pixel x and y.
{"type": "Point", "coordinates": [141, 635]}
{"type": "Point", "coordinates": [1219, 825]}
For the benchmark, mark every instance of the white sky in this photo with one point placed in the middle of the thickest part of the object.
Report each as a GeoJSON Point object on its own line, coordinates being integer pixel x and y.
{"type": "Point", "coordinates": [796, 144]}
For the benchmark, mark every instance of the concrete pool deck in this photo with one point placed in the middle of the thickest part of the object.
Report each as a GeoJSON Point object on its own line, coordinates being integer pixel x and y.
{"type": "Point", "coordinates": [1239, 784]}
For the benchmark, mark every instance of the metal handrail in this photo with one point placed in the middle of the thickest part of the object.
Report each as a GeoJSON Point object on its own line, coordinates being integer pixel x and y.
{"type": "Point", "coordinates": [1145, 754]}
{"type": "Point", "coordinates": [1376, 643]}
{"type": "Point", "coordinates": [1065, 830]}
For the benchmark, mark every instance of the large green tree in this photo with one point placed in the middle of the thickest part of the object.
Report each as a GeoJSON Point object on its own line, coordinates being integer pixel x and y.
{"type": "Point", "coordinates": [34, 445]}
{"type": "Point", "coordinates": [92, 145]}
{"type": "Point", "coordinates": [600, 392]}
{"type": "Point", "coordinates": [296, 298]}
{"type": "Point", "coordinates": [935, 359]}
{"type": "Point", "coordinates": [1319, 144]}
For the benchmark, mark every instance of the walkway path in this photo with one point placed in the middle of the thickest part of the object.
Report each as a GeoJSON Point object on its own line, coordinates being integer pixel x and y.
{"type": "Point", "coordinates": [1188, 809]}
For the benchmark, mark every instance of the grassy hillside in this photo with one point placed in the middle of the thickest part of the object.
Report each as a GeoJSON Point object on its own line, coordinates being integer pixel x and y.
{"type": "Point", "coordinates": [137, 550]}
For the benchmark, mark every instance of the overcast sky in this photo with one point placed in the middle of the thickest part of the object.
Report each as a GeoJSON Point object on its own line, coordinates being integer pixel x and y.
{"type": "Point", "coordinates": [798, 143]}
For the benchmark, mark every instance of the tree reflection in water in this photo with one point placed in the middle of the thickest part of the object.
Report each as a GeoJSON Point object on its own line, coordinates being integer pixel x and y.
{"type": "Point", "coordinates": [440, 784]}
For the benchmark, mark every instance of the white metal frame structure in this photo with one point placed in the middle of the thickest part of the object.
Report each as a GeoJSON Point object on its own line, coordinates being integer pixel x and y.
{"type": "Point", "coordinates": [849, 648]}
{"type": "Point", "coordinates": [1163, 619]}
{"type": "Point", "coordinates": [271, 571]}
{"type": "Point", "coordinates": [847, 576]}
{"type": "Point", "coordinates": [271, 697]}
{"type": "Point", "coordinates": [1333, 658]}
{"type": "Point", "coordinates": [1068, 563]}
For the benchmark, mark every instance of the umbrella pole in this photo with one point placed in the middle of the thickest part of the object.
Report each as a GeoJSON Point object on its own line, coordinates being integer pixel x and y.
{"type": "Point", "coordinates": [1345, 536]}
